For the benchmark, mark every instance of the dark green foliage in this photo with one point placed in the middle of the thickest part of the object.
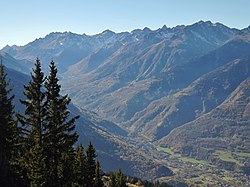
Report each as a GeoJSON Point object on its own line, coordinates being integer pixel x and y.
{"type": "Point", "coordinates": [98, 178]}
{"type": "Point", "coordinates": [155, 184]}
{"type": "Point", "coordinates": [66, 170]}
{"type": "Point", "coordinates": [48, 157]}
{"type": "Point", "coordinates": [112, 180]}
{"type": "Point", "coordinates": [49, 133]}
{"type": "Point", "coordinates": [60, 129]}
{"type": "Point", "coordinates": [33, 122]}
{"type": "Point", "coordinates": [118, 179]}
{"type": "Point", "coordinates": [36, 167]}
{"type": "Point", "coordinates": [158, 184]}
{"type": "Point", "coordinates": [5, 118]}
{"type": "Point", "coordinates": [8, 133]}
{"type": "Point", "coordinates": [87, 170]}
{"type": "Point", "coordinates": [90, 165]}
{"type": "Point", "coordinates": [80, 166]}
{"type": "Point", "coordinates": [60, 134]}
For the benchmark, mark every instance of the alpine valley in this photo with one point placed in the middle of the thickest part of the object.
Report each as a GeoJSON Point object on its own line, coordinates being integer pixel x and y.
{"type": "Point", "coordinates": [171, 104]}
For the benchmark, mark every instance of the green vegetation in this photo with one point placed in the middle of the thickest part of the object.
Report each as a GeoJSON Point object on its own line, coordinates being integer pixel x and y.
{"type": "Point", "coordinates": [117, 179]}
{"type": "Point", "coordinates": [9, 133]}
{"type": "Point", "coordinates": [180, 157]}
{"type": "Point", "coordinates": [165, 150]}
{"type": "Point", "coordinates": [228, 178]}
{"type": "Point", "coordinates": [98, 178]}
{"type": "Point", "coordinates": [192, 160]}
{"type": "Point", "coordinates": [241, 154]}
{"type": "Point", "coordinates": [49, 132]}
{"type": "Point", "coordinates": [189, 159]}
{"type": "Point", "coordinates": [226, 156]}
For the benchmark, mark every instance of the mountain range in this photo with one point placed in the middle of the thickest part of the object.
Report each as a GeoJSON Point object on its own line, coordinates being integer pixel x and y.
{"type": "Point", "coordinates": [184, 88]}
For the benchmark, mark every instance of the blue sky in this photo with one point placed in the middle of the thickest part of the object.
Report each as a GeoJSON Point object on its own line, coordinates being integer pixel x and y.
{"type": "Point", "coordinates": [22, 21]}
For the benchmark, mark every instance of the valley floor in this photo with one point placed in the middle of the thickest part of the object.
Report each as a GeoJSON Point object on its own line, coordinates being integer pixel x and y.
{"type": "Point", "coordinates": [189, 170]}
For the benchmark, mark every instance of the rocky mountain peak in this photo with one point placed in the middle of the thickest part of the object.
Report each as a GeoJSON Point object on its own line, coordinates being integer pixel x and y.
{"type": "Point", "coordinates": [146, 29]}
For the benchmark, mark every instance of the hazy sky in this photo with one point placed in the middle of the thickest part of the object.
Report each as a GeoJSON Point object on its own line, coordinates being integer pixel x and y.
{"type": "Point", "coordinates": [23, 21]}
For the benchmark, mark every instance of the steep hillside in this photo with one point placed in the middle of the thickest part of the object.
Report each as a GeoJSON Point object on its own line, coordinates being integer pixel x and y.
{"type": "Point", "coordinates": [18, 65]}
{"type": "Point", "coordinates": [220, 136]}
{"type": "Point", "coordinates": [209, 80]}
{"type": "Point", "coordinates": [113, 150]}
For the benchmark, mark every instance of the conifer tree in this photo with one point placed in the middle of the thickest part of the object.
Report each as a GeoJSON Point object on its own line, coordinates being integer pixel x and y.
{"type": "Point", "coordinates": [8, 131]}
{"type": "Point", "coordinates": [60, 134]}
{"type": "Point", "coordinates": [80, 166]}
{"type": "Point", "coordinates": [98, 178]}
{"type": "Point", "coordinates": [117, 179]}
{"type": "Point", "coordinates": [33, 122]}
{"type": "Point", "coordinates": [112, 180]}
{"type": "Point", "coordinates": [66, 171]}
{"type": "Point", "coordinates": [120, 179]}
{"type": "Point", "coordinates": [9, 136]}
{"type": "Point", "coordinates": [90, 165]}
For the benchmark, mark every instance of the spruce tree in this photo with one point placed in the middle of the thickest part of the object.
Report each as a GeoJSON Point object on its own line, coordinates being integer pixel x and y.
{"type": "Point", "coordinates": [90, 165]}
{"type": "Point", "coordinates": [98, 178]}
{"type": "Point", "coordinates": [8, 131]}
{"type": "Point", "coordinates": [33, 122]}
{"type": "Point", "coordinates": [120, 179]}
{"type": "Point", "coordinates": [80, 166]}
{"type": "Point", "coordinates": [66, 171]}
{"type": "Point", "coordinates": [112, 180]}
{"type": "Point", "coordinates": [60, 134]}
{"type": "Point", "coordinates": [9, 136]}
{"type": "Point", "coordinates": [117, 179]}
